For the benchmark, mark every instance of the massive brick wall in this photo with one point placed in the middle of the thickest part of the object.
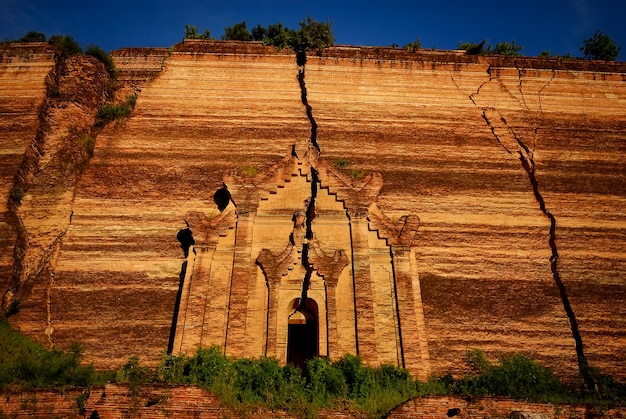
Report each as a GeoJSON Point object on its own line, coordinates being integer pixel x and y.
{"type": "Point", "coordinates": [444, 133]}
{"type": "Point", "coordinates": [444, 130]}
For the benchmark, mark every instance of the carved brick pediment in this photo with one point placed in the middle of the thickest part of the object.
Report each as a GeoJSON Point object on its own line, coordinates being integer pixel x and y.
{"type": "Point", "coordinates": [275, 266]}
{"type": "Point", "coordinates": [329, 265]}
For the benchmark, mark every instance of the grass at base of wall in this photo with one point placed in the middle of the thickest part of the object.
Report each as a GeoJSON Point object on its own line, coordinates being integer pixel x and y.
{"type": "Point", "coordinates": [346, 384]}
{"type": "Point", "coordinates": [24, 363]}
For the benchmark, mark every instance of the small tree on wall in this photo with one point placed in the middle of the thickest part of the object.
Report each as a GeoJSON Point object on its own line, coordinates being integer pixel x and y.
{"type": "Point", "coordinates": [237, 32]}
{"type": "Point", "coordinates": [600, 47]}
{"type": "Point", "coordinates": [191, 32]}
{"type": "Point", "coordinates": [508, 49]}
{"type": "Point", "coordinates": [313, 35]}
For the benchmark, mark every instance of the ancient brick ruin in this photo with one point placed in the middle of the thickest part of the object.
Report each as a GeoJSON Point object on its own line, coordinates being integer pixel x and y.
{"type": "Point", "coordinates": [405, 207]}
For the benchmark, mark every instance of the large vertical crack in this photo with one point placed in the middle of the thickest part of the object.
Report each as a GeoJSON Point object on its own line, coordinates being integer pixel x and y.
{"type": "Point", "coordinates": [308, 237]}
{"type": "Point", "coordinates": [508, 139]}
{"type": "Point", "coordinates": [48, 176]}
{"type": "Point", "coordinates": [305, 102]}
{"type": "Point", "coordinates": [526, 157]}
{"type": "Point", "coordinates": [528, 163]}
{"type": "Point", "coordinates": [310, 208]}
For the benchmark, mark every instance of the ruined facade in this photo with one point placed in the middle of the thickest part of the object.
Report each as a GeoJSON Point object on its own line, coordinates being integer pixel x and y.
{"type": "Point", "coordinates": [405, 207]}
{"type": "Point", "coordinates": [301, 263]}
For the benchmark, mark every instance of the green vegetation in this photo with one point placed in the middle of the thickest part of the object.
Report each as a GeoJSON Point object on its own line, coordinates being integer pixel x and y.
{"type": "Point", "coordinates": [276, 35]}
{"type": "Point", "coordinates": [473, 48]}
{"type": "Point", "coordinates": [247, 383]}
{"type": "Point", "coordinates": [250, 384]}
{"type": "Point", "coordinates": [104, 57]}
{"type": "Point", "coordinates": [65, 46]}
{"type": "Point", "coordinates": [237, 32]}
{"type": "Point", "coordinates": [508, 49]}
{"type": "Point", "coordinates": [516, 375]}
{"type": "Point", "coordinates": [347, 384]}
{"type": "Point", "coordinates": [33, 36]}
{"type": "Point", "coordinates": [248, 171]}
{"type": "Point", "coordinates": [110, 112]}
{"type": "Point", "coordinates": [89, 143]}
{"type": "Point", "coordinates": [16, 195]}
{"type": "Point", "coordinates": [23, 363]}
{"type": "Point", "coordinates": [355, 174]}
{"type": "Point", "coordinates": [600, 47]}
{"type": "Point", "coordinates": [341, 164]}
{"type": "Point", "coordinates": [191, 32]}
{"type": "Point", "coordinates": [312, 35]}
{"type": "Point", "coordinates": [414, 46]}
{"type": "Point", "coordinates": [548, 54]}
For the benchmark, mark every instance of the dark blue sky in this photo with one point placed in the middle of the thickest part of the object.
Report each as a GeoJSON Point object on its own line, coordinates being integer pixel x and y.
{"type": "Point", "coordinates": [555, 25]}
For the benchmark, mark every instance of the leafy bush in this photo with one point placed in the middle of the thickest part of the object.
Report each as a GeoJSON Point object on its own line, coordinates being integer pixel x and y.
{"type": "Point", "coordinates": [33, 36]}
{"type": "Point", "coordinates": [355, 174]}
{"type": "Point", "coordinates": [278, 35]}
{"type": "Point", "coordinates": [16, 195]}
{"type": "Point", "coordinates": [341, 164]}
{"type": "Point", "coordinates": [102, 56]}
{"type": "Point", "coordinates": [237, 32]}
{"type": "Point", "coordinates": [258, 33]}
{"type": "Point", "coordinates": [65, 46]}
{"type": "Point", "coordinates": [472, 48]}
{"type": "Point", "coordinates": [414, 46]}
{"type": "Point", "coordinates": [135, 374]}
{"type": "Point", "coordinates": [505, 48]}
{"type": "Point", "coordinates": [131, 100]}
{"type": "Point", "coordinates": [191, 32]}
{"type": "Point", "coordinates": [517, 376]}
{"type": "Point", "coordinates": [26, 364]}
{"type": "Point", "coordinates": [244, 383]}
{"type": "Point", "coordinates": [110, 112]}
{"type": "Point", "coordinates": [600, 47]}
{"type": "Point", "coordinates": [171, 369]}
{"type": "Point", "coordinates": [325, 382]}
{"type": "Point", "coordinates": [312, 35]}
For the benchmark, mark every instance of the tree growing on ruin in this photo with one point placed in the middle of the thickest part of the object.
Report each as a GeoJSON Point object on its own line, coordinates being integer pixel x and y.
{"type": "Point", "coordinates": [600, 47]}
{"type": "Point", "coordinates": [279, 36]}
{"type": "Point", "coordinates": [33, 36]}
{"type": "Point", "coordinates": [191, 32]}
{"type": "Point", "coordinates": [472, 48]}
{"type": "Point", "coordinates": [259, 32]}
{"type": "Point", "coordinates": [508, 49]}
{"type": "Point", "coordinates": [313, 35]}
{"type": "Point", "coordinates": [65, 46]}
{"type": "Point", "coordinates": [414, 46]}
{"type": "Point", "coordinates": [237, 32]}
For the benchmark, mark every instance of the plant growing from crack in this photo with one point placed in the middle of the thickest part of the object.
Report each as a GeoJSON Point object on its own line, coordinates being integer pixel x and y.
{"type": "Point", "coordinates": [248, 171]}
{"type": "Point", "coordinates": [110, 112]}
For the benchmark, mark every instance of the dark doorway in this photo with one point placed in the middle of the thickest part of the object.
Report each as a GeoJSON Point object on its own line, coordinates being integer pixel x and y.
{"type": "Point", "coordinates": [302, 333]}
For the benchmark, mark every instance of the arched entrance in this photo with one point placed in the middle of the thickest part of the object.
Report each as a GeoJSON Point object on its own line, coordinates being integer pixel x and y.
{"type": "Point", "coordinates": [302, 333]}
